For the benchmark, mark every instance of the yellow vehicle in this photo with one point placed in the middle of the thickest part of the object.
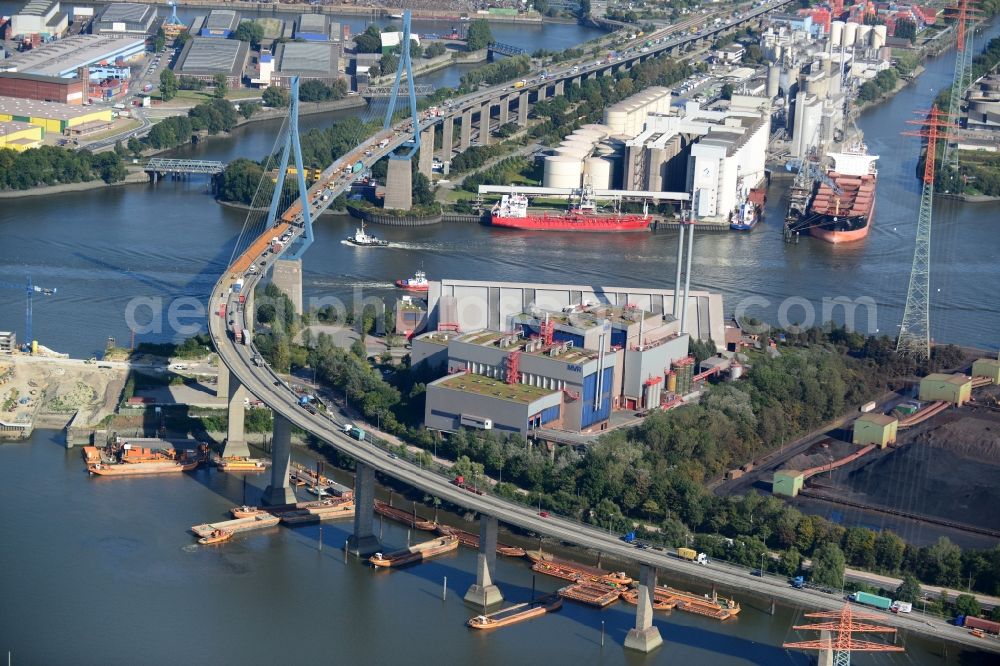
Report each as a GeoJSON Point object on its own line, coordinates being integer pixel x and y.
{"type": "Point", "coordinates": [520, 84]}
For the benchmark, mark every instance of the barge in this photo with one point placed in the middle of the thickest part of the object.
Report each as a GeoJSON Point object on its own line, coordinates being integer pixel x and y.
{"type": "Point", "coordinates": [416, 553]}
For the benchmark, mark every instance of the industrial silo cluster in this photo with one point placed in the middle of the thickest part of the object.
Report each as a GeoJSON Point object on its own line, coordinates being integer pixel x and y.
{"type": "Point", "coordinates": [851, 35]}
{"type": "Point", "coordinates": [583, 156]}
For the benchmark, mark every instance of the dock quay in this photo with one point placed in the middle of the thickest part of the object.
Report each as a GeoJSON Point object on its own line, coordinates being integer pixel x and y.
{"type": "Point", "coordinates": [716, 607]}
{"type": "Point", "coordinates": [470, 540]}
{"type": "Point", "coordinates": [517, 613]}
{"type": "Point", "coordinates": [237, 525]}
{"type": "Point", "coordinates": [591, 594]}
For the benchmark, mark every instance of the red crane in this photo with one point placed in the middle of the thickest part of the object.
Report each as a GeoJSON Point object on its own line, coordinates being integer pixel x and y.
{"type": "Point", "coordinates": [844, 624]}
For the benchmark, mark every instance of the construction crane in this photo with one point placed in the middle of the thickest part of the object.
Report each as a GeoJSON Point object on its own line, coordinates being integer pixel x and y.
{"type": "Point", "coordinates": [30, 290]}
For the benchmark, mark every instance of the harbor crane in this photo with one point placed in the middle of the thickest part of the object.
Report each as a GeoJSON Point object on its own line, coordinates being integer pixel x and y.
{"type": "Point", "coordinates": [30, 290]}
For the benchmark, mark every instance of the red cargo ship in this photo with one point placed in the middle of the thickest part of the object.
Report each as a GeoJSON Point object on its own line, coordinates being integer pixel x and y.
{"type": "Point", "coordinates": [512, 212]}
{"type": "Point", "coordinates": [844, 216]}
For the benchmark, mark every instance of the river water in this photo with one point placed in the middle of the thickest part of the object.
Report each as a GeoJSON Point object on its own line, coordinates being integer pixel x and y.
{"type": "Point", "coordinates": [98, 571]}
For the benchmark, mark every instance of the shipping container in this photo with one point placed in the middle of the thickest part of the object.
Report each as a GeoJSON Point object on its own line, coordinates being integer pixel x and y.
{"type": "Point", "coordinates": [869, 407]}
{"type": "Point", "coordinates": [355, 432]}
{"type": "Point", "coordinates": [988, 626]}
{"type": "Point", "coordinates": [358, 166]}
{"type": "Point", "coordinates": [687, 553]}
{"type": "Point", "coordinates": [238, 286]}
{"type": "Point", "coordinates": [246, 336]}
{"type": "Point", "coordinates": [871, 600]}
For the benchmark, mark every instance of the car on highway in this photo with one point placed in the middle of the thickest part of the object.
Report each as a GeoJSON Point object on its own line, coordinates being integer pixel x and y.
{"type": "Point", "coordinates": [757, 572]}
{"type": "Point", "coordinates": [543, 514]}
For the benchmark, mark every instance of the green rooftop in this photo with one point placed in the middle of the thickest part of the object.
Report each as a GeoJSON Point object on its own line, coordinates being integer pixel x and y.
{"type": "Point", "coordinates": [495, 388]}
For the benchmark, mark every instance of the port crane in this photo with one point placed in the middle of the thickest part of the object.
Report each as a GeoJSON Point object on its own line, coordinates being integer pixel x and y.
{"type": "Point", "coordinates": [30, 290]}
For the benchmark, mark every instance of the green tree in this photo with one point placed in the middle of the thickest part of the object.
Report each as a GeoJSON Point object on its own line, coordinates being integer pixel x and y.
{"type": "Point", "coordinates": [119, 148]}
{"type": "Point", "coordinates": [479, 35]}
{"type": "Point", "coordinates": [859, 547]}
{"type": "Point", "coordinates": [906, 29]}
{"type": "Point", "coordinates": [791, 562]}
{"type": "Point", "coordinates": [966, 604]}
{"type": "Point", "coordinates": [434, 49]}
{"type": "Point", "coordinates": [221, 85]}
{"type": "Point", "coordinates": [159, 41]}
{"type": "Point", "coordinates": [314, 91]}
{"type": "Point", "coordinates": [370, 41]}
{"type": "Point", "coordinates": [134, 146]}
{"type": "Point", "coordinates": [909, 589]}
{"type": "Point", "coordinates": [888, 551]}
{"type": "Point", "coordinates": [276, 97]}
{"type": "Point", "coordinates": [726, 92]}
{"type": "Point", "coordinates": [239, 181]}
{"type": "Point", "coordinates": [828, 565]}
{"type": "Point", "coordinates": [168, 85]}
{"type": "Point", "coordinates": [249, 31]}
{"type": "Point", "coordinates": [359, 349]}
{"type": "Point", "coordinates": [247, 109]}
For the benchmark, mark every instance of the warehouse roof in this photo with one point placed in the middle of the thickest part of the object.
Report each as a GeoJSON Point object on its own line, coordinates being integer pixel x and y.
{"type": "Point", "coordinates": [38, 7]}
{"type": "Point", "coordinates": [9, 127]}
{"type": "Point", "coordinates": [124, 12]}
{"type": "Point", "coordinates": [957, 379]}
{"type": "Point", "coordinates": [16, 106]}
{"type": "Point", "coordinates": [312, 23]}
{"type": "Point", "coordinates": [494, 388]}
{"type": "Point", "coordinates": [40, 78]}
{"type": "Point", "coordinates": [222, 19]}
{"type": "Point", "coordinates": [59, 56]}
{"type": "Point", "coordinates": [307, 58]}
{"type": "Point", "coordinates": [206, 55]}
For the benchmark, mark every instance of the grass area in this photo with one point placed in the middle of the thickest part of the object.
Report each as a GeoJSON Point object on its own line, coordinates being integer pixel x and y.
{"type": "Point", "coordinates": [199, 96]}
{"type": "Point", "coordinates": [494, 387]}
{"type": "Point", "coordinates": [119, 127]}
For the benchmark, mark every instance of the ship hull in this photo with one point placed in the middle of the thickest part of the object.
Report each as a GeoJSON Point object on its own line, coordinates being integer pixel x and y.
{"type": "Point", "coordinates": [579, 223]}
{"type": "Point", "coordinates": [836, 236]}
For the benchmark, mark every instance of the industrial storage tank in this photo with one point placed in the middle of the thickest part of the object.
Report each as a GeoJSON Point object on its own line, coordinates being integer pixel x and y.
{"type": "Point", "coordinates": [584, 146]}
{"type": "Point", "coordinates": [603, 130]}
{"type": "Point", "coordinates": [590, 136]}
{"type": "Point", "coordinates": [562, 171]}
{"type": "Point", "coordinates": [773, 79]}
{"type": "Point", "coordinates": [837, 33]}
{"type": "Point", "coordinates": [574, 152]}
{"type": "Point", "coordinates": [850, 34]}
{"type": "Point", "coordinates": [597, 171]}
{"type": "Point", "coordinates": [864, 36]}
{"type": "Point", "coordinates": [879, 34]}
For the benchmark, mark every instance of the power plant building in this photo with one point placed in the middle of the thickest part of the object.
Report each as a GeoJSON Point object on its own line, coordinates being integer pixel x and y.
{"type": "Point", "coordinates": [43, 18]}
{"type": "Point", "coordinates": [204, 58]}
{"type": "Point", "coordinates": [126, 20]}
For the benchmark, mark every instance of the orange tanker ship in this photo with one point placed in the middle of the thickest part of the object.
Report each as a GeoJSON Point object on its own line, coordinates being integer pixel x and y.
{"type": "Point", "coordinates": [843, 204]}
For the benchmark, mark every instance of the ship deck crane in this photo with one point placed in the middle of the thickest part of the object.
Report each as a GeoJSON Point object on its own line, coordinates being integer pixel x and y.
{"type": "Point", "coordinates": [30, 290]}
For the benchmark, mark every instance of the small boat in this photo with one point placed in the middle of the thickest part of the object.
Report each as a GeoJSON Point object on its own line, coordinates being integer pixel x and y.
{"type": "Point", "coordinates": [241, 465]}
{"type": "Point", "coordinates": [416, 553]}
{"type": "Point", "coordinates": [517, 613]}
{"type": "Point", "coordinates": [362, 239]}
{"type": "Point", "coordinates": [418, 282]}
{"type": "Point", "coordinates": [217, 536]}
{"type": "Point", "coordinates": [395, 16]}
{"type": "Point", "coordinates": [245, 511]}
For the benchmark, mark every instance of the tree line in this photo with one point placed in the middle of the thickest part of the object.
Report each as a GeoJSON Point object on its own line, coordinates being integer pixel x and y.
{"type": "Point", "coordinates": [51, 165]}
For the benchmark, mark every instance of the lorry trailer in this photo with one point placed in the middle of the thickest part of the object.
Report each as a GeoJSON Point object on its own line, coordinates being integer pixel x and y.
{"type": "Point", "coordinates": [873, 600]}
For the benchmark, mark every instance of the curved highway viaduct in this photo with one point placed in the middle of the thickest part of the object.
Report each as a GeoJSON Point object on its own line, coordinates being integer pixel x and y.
{"type": "Point", "coordinates": [242, 376]}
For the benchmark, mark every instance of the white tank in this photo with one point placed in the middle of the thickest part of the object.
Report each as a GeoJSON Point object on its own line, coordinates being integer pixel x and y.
{"type": "Point", "coordinates": [562, 171]}
{"type": "Point", "coordinates": [598, 171]}
{"type": "Point", "coordinates": [616, 119]}
{"type": "Point", "coordinates": [879, 34]}
{"type": "Point", "coordinates": [573, 152]}
{"type": "Point", "coordinates": [578, 144]}
{"type": "Point", "coordinates": [836, 33]}
{"type": "Point", "coordinates": [850, 33]}
{"type": "Point", "coordinates": [773, 76]}
{"type": "Point", "coordinates": [603, 130]}
{"type": "Point", "coordinates": [863, 38]}
{"type": "Point", "coordinates": [591, 136]}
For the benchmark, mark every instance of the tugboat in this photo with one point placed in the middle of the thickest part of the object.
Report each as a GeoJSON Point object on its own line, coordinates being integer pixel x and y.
{"type": "Point", "coordinates": [216, 536]}
{"type": "Point", "coordinates": [416, 283]}
{"type": "Point", "coordinates": [361, 239]}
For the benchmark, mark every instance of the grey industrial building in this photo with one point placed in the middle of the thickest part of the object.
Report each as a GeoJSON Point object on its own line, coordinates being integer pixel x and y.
{"type": "Point", "coordinates": [8, 342]}
{"type": "Point", "coordinates": [126, 19]}
{"type": "Point", "coordinates": [39, 17]}
{"type": "Point", "coordinates": [317, 61]}
{"type": "Point", "coordinates": [204, 57]}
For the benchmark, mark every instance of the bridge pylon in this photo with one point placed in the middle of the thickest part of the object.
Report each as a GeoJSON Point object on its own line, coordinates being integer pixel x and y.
{"type": "Point", "coordinates": [484, 592]}
{"type": "Point", "coordinates": [399, 180]}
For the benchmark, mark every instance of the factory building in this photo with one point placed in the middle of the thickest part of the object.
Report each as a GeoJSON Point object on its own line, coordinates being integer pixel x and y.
{"type": "Point", "coordinates": [64, 58]}
{"type": "Point", "coordinates": [955, 389]}
{"type": "Point", "coordinates": [787, 482]}
{"type": "Point", "coordinates": [20, 136]}
{"type": "Point", "coordinates": [875, 428]}
{"type": "Point", "coordinates": [53, 117]}
{"type": "Point", "coordinates": [126, 20]}
{"type": "Point", "coordinates": [987, 367]}
{"type": "Point", "coordinates": [219, 23]}
{"type": "Point", "coordinates": [204, 57]}
{"type": "Point", "coordinates": [469, 305]}
{"type": "Point", "coordinates": [43, 88]}
{"type": "Point", "coordinates": [477, 401]}
{"type": "Point", "coordinates": [311, 61]}
{"type": "Point", "coordinates": [315, 28]}
{"type": "Point", "coordinates": [43, 18]}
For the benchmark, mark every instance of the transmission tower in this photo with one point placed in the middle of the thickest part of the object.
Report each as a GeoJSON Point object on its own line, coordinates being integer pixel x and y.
{"type": "Point", "coordinates": [964, 13]}
{"type": "Point", "coordinates": [293, 148]}
{"type": "Point", "coordinates": [914, 333]}
{"type": "Point", "coordinates": [844, 624]}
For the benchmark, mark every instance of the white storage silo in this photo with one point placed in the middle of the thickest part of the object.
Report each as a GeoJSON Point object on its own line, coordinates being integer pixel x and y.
{"type": "Point", "coordinates": [615, 118]}
{"type": "Point", "coordinates": [879, 34]}
{"type": "Point", "coordinates": [573, 152]}
{"type": "Point", "coordinates": [591, 136]}
{"type": "Point", "coordinates": [850, 33]}
{"type": "Point", "coordinates": [562, 171]}
{"type": "Point", "coordinates": [863, 37]}
{"type": "Point", "coordinates": [836, 33]}
{"type": "Point", "coordinates": [773, 77]}
{"type": "Point", "coordinates": [597, 171]}
{"type": "Point", "coordinates": [603, 130]}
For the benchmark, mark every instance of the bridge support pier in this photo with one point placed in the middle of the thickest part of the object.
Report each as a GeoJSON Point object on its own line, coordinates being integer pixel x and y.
{"type": "Point", "coordinates": [426, 162]}
{"type": "Point", "coordinates": [825, 656]}
{"type": "Point", "coordinates": [279, 492]}
{"type": "Point", "coordinates": [505, 110]}
{"type": "Point", "coordinates": [399, 183]}
{"type": "Point", "coordinates": [364, 542]}
{"type": "Point", "coordinates": [484, 123]}
{"type": "Point", "coordinates": [465, 132]}
{"type": "Point", "coordinates": [522, 109]}
{"type": "Point", "coordinates": [287, 276]}
{"type": "Point", "coordinates": [222, 385]}
{"type": "Point", "coordinates": [236, 441]}
{"type": "Point", "coordinates": [560, 87]}
{"type": "Point", "coordinates": [484, 592]}
{"type": "Point", "coordinates": [645, 637]}
{"type": "Point", "coordinates": [447, 139]}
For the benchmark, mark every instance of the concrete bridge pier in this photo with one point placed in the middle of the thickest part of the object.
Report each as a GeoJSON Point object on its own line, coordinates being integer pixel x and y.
{"type": "Point", "coordinates": [279, 492]}
{"type": "Point", "coordinates": [447, 139]}
{"type": "Point", "coordinates": [504, 110]}
{"type": "Point", "coordinates": [364, 542]}
{"type": "Point", "coordinates": [825, 656]}
{"type": "Point", "coordinates": [543, 92]}
{"type": "Point", "coordinates": [287, 276]}
{"type": "Point", "coordinates": [426, 161]}
{"type": "Point", "coordinates": [484, 592]}
{"type": "Point", "coordinates": [236, 441]}
{"type": "Point", "coordinates": [560, 87]}
{"type": "Point", "coordinates": [484, 123]}
{"type": "Point", "coordinates": [465, 132]}
{"type": "Point", "coordinates": [522, 109]}
{"type": "Point", "coordinates": [645, 637]}
{"type": "Point", "coordinates": [222, 384]}
{"type": "Point", "coordinates": [399, 183]}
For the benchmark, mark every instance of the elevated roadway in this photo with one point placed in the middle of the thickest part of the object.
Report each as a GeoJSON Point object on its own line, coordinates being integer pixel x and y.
{"type": "Point", "coordinates": [248, 373]}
